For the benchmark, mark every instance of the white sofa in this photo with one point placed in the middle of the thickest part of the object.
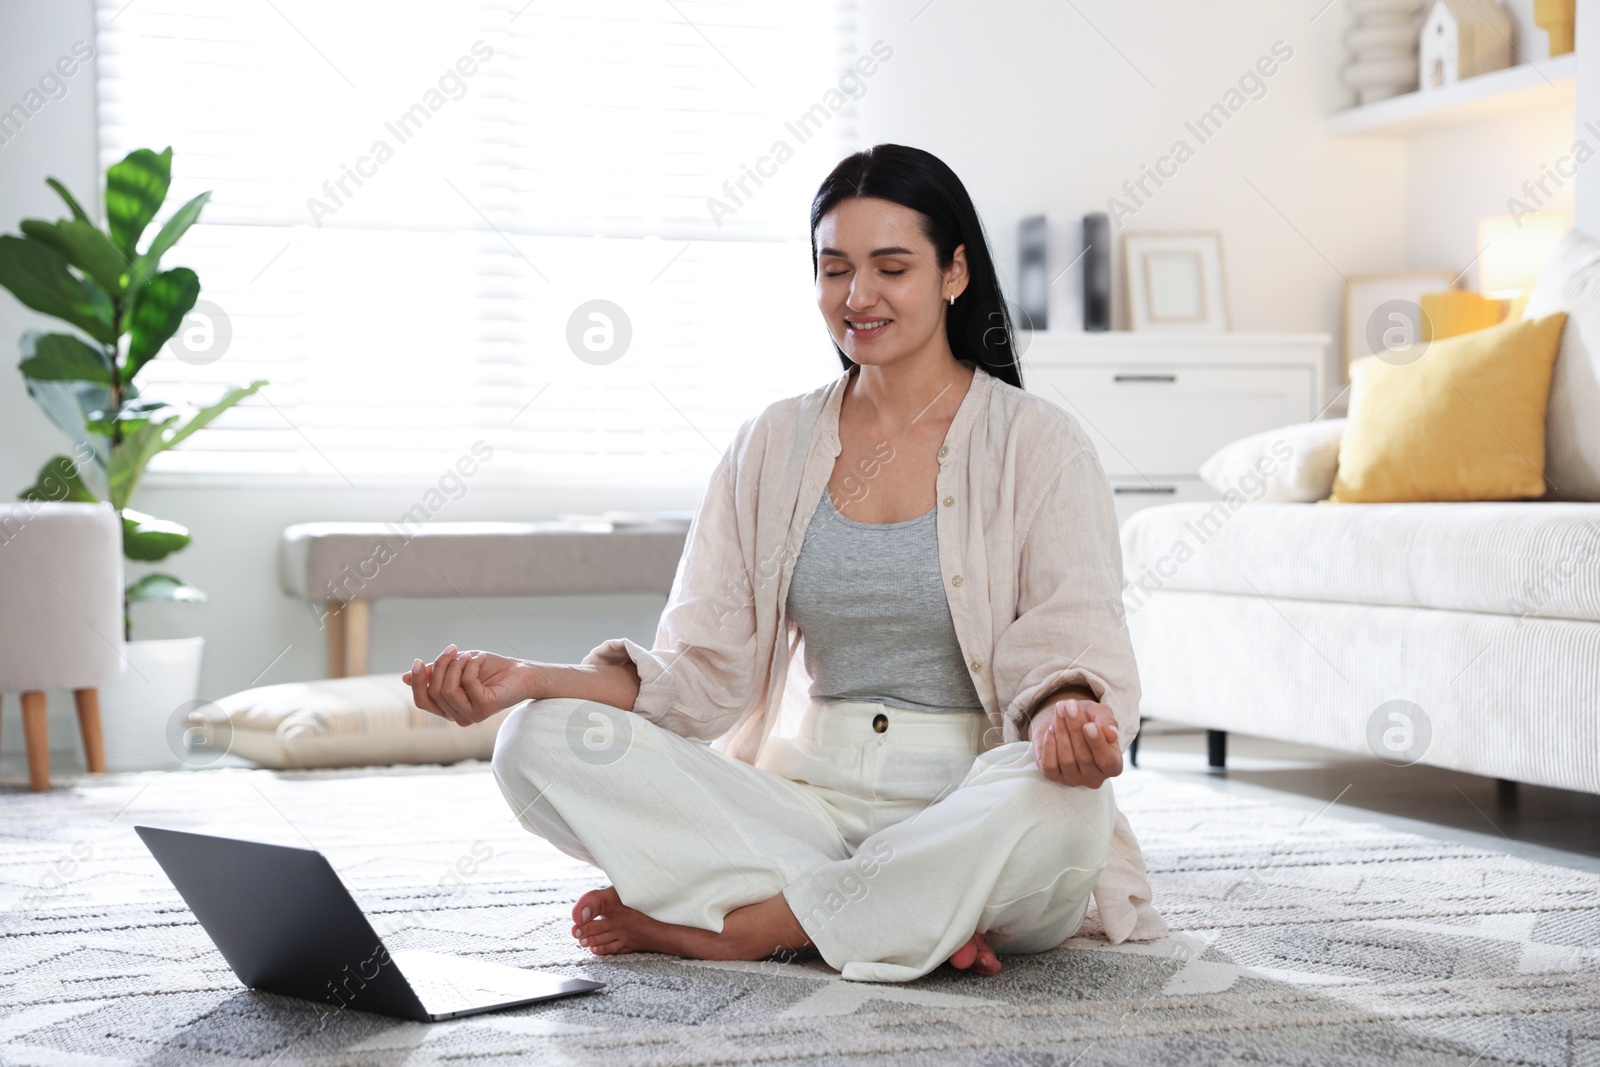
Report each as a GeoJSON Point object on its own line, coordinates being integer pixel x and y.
{"type": "Point", "coordinates": [1465, 636]}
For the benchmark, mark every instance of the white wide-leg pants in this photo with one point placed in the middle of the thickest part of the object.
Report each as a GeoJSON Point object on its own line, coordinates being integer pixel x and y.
{"type": "Point", "coordinates": [890, 846]}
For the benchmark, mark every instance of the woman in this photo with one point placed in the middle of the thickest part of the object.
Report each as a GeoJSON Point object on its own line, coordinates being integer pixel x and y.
{"type": "Point", "coordinates": [896, 620]}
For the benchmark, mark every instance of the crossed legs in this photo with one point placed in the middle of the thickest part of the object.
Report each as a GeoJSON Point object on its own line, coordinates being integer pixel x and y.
{"type": "Point", "coordinates": [712, 858]}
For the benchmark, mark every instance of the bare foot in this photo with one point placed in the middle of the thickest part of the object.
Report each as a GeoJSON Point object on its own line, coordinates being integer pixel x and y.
{"type": "Point", "coordinates": [606, 926]}
{"type": "Point", "coordinates": [977, 955]}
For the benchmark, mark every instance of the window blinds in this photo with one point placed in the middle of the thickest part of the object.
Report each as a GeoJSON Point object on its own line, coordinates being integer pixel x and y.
{"type": "Point", "coordinates": [416, 206]}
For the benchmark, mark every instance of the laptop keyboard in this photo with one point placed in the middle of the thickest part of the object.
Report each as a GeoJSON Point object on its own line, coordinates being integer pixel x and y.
{"type": "Point", "coordinates": [440, 994]}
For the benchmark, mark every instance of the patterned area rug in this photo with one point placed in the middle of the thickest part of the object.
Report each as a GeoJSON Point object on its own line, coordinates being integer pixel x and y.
{"type": "Point", "coordinates": [1299, 939]}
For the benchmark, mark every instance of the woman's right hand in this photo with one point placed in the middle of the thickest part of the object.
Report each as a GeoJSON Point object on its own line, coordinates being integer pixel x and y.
{"type": "Point", "coordinates": [468, 687]}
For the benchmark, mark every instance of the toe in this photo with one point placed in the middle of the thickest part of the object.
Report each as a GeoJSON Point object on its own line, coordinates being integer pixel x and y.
{"type": "Point", "coordinates": [595, 902]}
{"type": "Point", "coordinates": [605, 946]}
{"type": "Point", "coordinates": [988, 962]}
{"type": "Point", "coordinates": [977, 955]}
{"type": "Point", "coordinates": [966, 954]}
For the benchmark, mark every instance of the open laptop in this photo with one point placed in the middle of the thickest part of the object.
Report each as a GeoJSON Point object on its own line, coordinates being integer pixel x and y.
{"type": "Point", "coordinates": [286, 924]}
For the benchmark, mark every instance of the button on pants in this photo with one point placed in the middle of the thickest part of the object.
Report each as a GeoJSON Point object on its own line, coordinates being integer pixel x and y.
{"type": "Point", "coordinates": [892, 834]}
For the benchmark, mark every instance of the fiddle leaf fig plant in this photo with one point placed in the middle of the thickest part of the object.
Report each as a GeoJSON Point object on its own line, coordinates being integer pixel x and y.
{"type": "Point", "coordinates": [124, 308]}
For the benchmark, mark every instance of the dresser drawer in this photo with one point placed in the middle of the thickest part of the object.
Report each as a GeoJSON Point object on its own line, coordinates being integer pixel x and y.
{"type": "Point", "coordinates": [1156, 421]}
{"type": "Point", "coordinates": [1130, 494]}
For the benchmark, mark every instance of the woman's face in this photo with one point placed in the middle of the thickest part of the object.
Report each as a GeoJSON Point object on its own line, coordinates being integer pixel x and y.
{"type": "Point", "coordinates": [879, 285]}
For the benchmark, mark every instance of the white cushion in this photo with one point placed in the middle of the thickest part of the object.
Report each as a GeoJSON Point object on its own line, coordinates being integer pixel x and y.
{"type": "Point", "coordinates": [1571, 283]}
{"type": "Point", "coordinates": [1499, 558]}
{"type": "Point", "coordinates": [341, 722]}
{"type": "Point", "coordinates": [1291, 463]}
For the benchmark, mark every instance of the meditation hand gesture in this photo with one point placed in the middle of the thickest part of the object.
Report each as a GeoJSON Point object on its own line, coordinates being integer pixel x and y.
{"type": "Point", "coordinates": [468, 687]}
{"type": "Point", "coordinates": [1075, 743]}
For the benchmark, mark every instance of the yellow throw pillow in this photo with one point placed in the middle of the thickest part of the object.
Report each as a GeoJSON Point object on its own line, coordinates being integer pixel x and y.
{"type": "Point", "coordinates": [1464, 421]}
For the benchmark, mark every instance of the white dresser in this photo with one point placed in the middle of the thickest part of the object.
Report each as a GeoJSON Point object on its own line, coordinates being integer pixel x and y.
{"type": "Point", "coordinates": [1157, 405]}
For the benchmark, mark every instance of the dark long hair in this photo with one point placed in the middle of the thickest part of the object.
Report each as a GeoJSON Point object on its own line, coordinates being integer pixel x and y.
{"type": "Point", "coordinates": [977, 325]}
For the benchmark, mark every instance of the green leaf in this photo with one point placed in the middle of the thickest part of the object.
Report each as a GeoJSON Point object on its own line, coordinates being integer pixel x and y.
{"type": "Point", "coordinates": [130, 458]}
{"type": "Point", "coordinates": [145, 267]}
{"type": "Point", "coordinates": [37, 275]}
{"type": "Point", "coordinates": [58, 481]}
{"type": "Point", "coordinates": [207, 414]}
{"type": "Point", "coordinates": [135, 189]}
{"type": "Point", "coordinates": [147, 538]}
{"type": "Point", "coordinates": [72, 203]}
{"type": "Point", "coordinates": [163, 587]}
{"type": "Point", "coordinates": [68, 404]}
{"type": "Point", "coordinates": [142, 441]}
{"type": "Point", "coordinates": [132, 415]}
{"type": "Point", "coordinates": [130, 410]}
{"type": "Point", "coordinates": [104, 311]}
{"type": "Point", "coordinates": [60, 357]}
{"type": "Point", "coordinates": [85, 247]}
{"type": "Point", "coordinates": [156, 314]}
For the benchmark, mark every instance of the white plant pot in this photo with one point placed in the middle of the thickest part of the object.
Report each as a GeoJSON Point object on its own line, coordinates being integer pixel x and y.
{"type": "Point", "coordinates": [160, 677]}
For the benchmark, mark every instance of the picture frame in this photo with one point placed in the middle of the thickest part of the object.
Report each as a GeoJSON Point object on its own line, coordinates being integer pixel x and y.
{"type": "Point", "coordinates": [1365, 295]}
{"type": "Point", "coordinates": [1174, 281]}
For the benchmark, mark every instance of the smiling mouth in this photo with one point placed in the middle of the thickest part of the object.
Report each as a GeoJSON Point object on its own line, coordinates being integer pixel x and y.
{"type": "Point", "coordinates": [866, 325]}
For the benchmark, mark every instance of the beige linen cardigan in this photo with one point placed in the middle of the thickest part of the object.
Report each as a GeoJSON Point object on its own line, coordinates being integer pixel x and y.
{"type": "Point", "coordinates": [1032, 565]}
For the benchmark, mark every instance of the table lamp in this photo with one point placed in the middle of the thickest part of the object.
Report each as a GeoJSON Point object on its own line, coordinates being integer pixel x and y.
{"type": "Point", "coordinates": [1513, 251]}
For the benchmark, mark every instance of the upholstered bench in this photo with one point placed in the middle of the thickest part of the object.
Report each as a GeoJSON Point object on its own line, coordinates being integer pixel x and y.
{"type": "Point", "coordinates": [342, 567]}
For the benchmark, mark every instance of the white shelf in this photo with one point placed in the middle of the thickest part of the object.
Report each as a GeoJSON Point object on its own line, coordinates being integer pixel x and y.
{"type": "Point", "coordinates": [1524, 87]}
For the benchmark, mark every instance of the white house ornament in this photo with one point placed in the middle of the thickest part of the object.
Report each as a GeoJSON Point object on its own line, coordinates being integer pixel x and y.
{"type": "Point", "coordinates": [1463, 39]}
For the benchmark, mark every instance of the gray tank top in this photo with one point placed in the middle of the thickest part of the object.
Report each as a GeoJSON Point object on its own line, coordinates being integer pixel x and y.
{"type": "Point", "coordinates": [869, 600]}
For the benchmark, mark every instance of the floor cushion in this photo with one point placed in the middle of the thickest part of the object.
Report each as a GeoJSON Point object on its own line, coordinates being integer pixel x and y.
{"type": "Point", "coordinates": [341, 722]}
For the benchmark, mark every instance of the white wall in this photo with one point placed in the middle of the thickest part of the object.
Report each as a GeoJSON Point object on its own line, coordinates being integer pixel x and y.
{"type": "Point", "coordinates": [1459, 174]}
{"type": "Point", "coordinates": [1070, 105]}
{"type": "Point", "coordinates": [1037, 108]}
{"type": "Point", "coordinates": [1587, 212]}
{"type": "Point", "coordinates": [59, 141]}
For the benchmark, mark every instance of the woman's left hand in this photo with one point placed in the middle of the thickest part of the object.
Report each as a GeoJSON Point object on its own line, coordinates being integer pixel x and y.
{"type": "Point", "coordinates": [1075, 743]}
